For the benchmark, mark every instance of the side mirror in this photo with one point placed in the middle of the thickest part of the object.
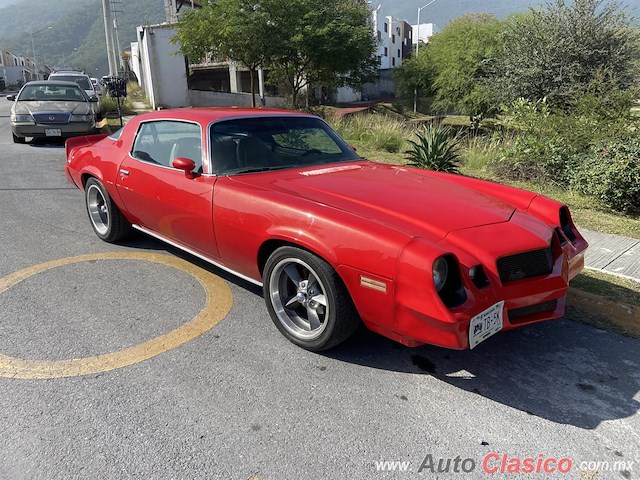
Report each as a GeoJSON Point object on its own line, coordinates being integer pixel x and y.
{"type": "Point", "coordinates": [93, 99]}
{"type": "Point", "coordinates": [185, 164]}
{"type": "Point", "coordinates": [11, 98]}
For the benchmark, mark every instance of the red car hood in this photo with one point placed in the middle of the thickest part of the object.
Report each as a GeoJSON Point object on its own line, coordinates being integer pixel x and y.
{"type": "Point", "coordinates": [405, 199]}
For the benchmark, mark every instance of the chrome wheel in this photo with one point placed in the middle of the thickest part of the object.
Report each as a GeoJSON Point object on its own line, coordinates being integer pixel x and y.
{"type": "Point", "coordinates": [98, 210]}
{"type": "Point", "coordinates": [299, 298]}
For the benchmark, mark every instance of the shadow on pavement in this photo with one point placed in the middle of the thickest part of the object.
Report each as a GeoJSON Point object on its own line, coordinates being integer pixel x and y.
{"type": "Point", "coordinates": [561, 370]}
{"type": "Point", "coordinates": [47, 142]}
{"type": "Point", "coordinates": [141, 240]}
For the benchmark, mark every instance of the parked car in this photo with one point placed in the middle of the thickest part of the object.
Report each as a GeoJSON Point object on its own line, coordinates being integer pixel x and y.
{"type": "Point", "coordinates": [81, 79]}
{"type": "Point", "coordinates": [280, 200]}
{"type": "Point", "coordinates": [97, 86]}
{"type": "Point", "coordinates": [51, 109]}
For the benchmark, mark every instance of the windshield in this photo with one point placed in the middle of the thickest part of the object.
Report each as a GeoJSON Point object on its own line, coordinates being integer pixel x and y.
{"type": "Point", "coordinates": [259, 144]}
{"type": "Point", "coordinates": [52, 92]}
{"type": "Point", "coordinates": [82, 81]}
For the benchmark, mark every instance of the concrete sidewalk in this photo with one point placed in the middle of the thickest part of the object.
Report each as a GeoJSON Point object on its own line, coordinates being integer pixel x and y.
{"type": "Point", "coordinates": [612, 254]}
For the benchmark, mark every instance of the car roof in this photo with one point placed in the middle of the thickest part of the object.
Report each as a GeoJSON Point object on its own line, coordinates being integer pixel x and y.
{"type": "Point", "coordinates": [52, 82]}
{"type": "Point", "coordinates": [206, 115]}
{"type": "Point", "coordinates": [68, 72]}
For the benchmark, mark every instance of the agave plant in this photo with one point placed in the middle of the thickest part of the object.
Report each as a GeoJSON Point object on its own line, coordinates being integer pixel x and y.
{"type": "Point", "coordinates": [435, 149]}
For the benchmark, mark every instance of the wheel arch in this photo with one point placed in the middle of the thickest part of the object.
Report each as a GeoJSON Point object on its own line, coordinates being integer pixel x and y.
{"type": "Point", "coordinates": [90, 173]}
{"type": "Point", "coordinates": [272, 244]}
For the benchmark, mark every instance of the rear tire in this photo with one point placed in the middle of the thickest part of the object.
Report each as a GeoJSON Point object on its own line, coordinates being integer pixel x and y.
{"type": "Point", "coordinates": [17, 139]}
{"type": "Point", "coordinates": [106, 219]}
{"type": "Point", "coordinates": [307, 300]}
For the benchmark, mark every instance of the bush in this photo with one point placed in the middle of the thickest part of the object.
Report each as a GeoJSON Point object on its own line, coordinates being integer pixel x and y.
{"type": "Point", "coordinates": [546, 142]}
{"type": "Point", "coordinates": [558, 49]}
{"type": "Point", "coordinates": [611, 173]}
{"type": "Point", "coordinates": [540, 149]}
{"type": "Point", "coordinates": [435, 149]}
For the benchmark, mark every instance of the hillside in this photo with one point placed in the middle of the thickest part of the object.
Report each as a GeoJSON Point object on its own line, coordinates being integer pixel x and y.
{"type": "Point", "coordinates": [76, 38]}
{"type": "Point", "coordinates": [28, 16]}
{"type": "Point", "coordinates": [443, 11]}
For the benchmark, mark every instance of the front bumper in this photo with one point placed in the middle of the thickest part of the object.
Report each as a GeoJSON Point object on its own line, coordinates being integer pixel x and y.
{"type": "Point", "coordinates": [418, 316]}
{"type": "Point", "coordinates": [66, 129]}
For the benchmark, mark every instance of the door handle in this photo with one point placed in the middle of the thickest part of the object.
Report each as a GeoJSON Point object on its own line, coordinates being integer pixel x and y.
{"type": "Point", "coordinates": [124, 172]}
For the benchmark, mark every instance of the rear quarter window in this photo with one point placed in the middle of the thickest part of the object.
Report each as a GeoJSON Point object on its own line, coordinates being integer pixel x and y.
{"type": "Point", "coordinates": [161, 142]}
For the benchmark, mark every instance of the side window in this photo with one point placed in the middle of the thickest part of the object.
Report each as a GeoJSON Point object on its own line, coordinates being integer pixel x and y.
{"type": "Point", "coordinates": [163, 141]}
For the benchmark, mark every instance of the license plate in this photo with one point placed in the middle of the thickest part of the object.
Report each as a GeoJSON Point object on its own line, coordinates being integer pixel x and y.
{"type": "Point", "coordinates": [52, 132]}
{"type": "Point", "coordinates": [485, 324]}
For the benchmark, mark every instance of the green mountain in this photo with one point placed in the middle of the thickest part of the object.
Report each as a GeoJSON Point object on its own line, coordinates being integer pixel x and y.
{"type": "Point", "coordinates": [442, 12]}
{"type": "Point", "coordinates": [76, 38]}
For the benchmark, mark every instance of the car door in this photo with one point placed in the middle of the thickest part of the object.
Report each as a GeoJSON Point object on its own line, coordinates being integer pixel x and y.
{"type": "Point", "coordinates": [163, 199]}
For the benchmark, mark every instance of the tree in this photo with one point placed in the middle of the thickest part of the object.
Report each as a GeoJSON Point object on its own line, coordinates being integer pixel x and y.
{"type": "Point", "coordinates": [415, 76]}
{"type": "Point", "coordinates": [302, 42]}
{"type": "Point", "coordinates": [229, 29]}
{"type": "Point", "coordinates": [555, 53]}
{"type": "Point", "coordinates": [453, 66]}
{"type": "Point", "coordinates": [321, 42]}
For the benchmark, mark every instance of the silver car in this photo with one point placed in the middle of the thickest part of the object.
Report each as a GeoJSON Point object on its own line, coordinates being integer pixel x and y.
{"type": "Point", "coordinates": [51, 109]}
{"type": "Point", "coordinates": [81, 79]}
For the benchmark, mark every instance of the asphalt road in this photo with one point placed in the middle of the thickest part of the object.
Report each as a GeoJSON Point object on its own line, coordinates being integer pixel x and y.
{"type": "Point", "coordinates": [239, 401]}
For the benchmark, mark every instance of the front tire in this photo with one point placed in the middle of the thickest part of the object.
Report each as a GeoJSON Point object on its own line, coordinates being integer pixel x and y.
{"type": "Point", "coordinates": [307, 300]}
{"type": "Point", "coordinates": [106, 219]}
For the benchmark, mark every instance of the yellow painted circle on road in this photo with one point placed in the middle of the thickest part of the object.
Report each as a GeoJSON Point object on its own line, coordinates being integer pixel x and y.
{"type": "Point", "coordinates": [218, 304]}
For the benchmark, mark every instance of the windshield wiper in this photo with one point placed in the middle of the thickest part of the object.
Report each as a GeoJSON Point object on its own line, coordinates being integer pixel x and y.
{"type": "Point", "coordinates": [260, 169]}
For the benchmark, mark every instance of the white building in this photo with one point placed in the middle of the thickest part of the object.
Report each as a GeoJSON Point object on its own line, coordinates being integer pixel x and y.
{"type": "Point", "coordinates": [394, 37]}
{"type": "Point", "coordinates": [15, 69]}
{"type": "Point", "coordinates": [424, 33]}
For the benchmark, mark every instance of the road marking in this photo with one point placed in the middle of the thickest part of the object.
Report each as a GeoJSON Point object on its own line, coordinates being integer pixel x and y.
{"type": "Point", "coordinates": [219, 300]}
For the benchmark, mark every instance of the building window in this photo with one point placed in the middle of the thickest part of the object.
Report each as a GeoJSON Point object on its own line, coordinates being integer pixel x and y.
{"type": "Point", "coordinates": [379, 59]}
{"type": "Point", "coordinates": [385, 52]}
{"type": "Point", "coordinates": [386, 28]}
{"type": "Point", "coordinates": [398, 53]}
{"type": "Point", "coordinates": [379, 36]}
{"type": "Point", "coordinates": [393, 61]}
{"type": "Point", "coordinates": [393, 39]}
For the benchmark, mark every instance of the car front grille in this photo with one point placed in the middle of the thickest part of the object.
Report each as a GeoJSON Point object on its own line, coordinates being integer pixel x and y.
{"type": "Point", "coordinates": [51, 118]}
{"type": "Point", "coordinates": [518, 315]}
{"type": "Point", "coordinates": [525, 265]}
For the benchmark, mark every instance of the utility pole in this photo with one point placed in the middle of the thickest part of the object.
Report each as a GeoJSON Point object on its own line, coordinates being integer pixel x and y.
{"type": "Point", "coordinates": [171, 11]}
{"type": "Point", "coordinates": [116, 8]}
{"type": "Point", "coordinates": [33, 51]}
{"type": "Point", "coordinates": [108, 33]}
{"type": "Point", "coordinates": [415, 91]}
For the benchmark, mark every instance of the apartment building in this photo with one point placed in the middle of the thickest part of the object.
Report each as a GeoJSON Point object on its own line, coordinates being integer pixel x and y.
{"type": "Point", "coordinates": [396, 38]}
{"type": "Point", "coordinates": [15, 69]}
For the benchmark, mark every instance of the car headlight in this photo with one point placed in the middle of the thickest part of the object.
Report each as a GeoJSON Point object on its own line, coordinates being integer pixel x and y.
{"type": "Point", "coordinates": [81, 118]}
{"type": "Point", "coordinates": [21, 118]}
{"type": "Point", "coordinates": [440, 272]}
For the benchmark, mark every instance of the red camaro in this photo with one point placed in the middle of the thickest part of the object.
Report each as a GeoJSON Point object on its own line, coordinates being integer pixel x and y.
{"type": "Point", "coordinates": [280, 200]}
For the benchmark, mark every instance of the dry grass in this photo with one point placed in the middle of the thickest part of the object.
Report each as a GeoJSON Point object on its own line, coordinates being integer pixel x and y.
{"type": "Point", "coordinates": [373, 132]}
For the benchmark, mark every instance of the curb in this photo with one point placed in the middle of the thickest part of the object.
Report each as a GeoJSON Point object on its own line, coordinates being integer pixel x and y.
{"type": "Point", "coordinates": [613, 274]}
